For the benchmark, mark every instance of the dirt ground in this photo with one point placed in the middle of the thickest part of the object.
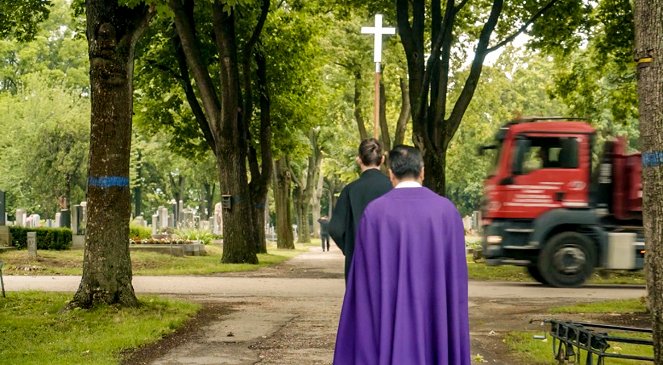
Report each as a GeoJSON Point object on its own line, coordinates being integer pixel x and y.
{"type": "Point", "coordinates": [281, 330]}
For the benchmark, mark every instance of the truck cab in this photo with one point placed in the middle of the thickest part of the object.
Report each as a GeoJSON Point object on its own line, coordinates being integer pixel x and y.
{"type": "Point", "coordinates": [548, 208]}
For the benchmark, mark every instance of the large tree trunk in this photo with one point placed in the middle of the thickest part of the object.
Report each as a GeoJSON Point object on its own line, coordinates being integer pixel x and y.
{"type": "Point", "coordinates": [315, 208]}
{"type": "Point", "coordinates": [304, 227]}
{"type": "Point", "coordinates": [261, 174]}
{"type": "Point", "coordinates": [239, 244]}
{"type": "Point", "coordinates": [649, 53]}
{"type": "Point", "coordinates": [112, 33]}
{"type": "Point", "coordinates": [435, 165]}
{"type": "Point", "coordinates": [223, 116]}
{"type": "Point", "coordinates": [238, 241]}
{"type": "Point", "coordinates": [282, 181]}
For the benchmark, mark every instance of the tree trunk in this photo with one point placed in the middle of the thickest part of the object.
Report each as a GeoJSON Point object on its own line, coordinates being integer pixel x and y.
{"type": "Point", "coordinates": [239, 236]}
{"type": "Point", "coordinates": [238, 240]}
{"type": "Point", "coordinates": [361, 124]}
{"type": "Point", "coordinates": [315, 211]}
{"type": "Point", "coordinates": [261, 173]}
{"type": "Point", "coordinates": [435, 166]}
{"type": "Point", "coordinates": [282, 181]}
{"type": "Point", "coordinates": [304, 228]}
{"type": "Point", "coordinates": [384, 126]}
{"type": "Point", "coordinates": [648, 49]}
{"type": "Point", "coordinates": [112, 33]}
{"type": "Point", "coordinates": [259, 219]}
{"type": "Point", "coordinates": [404, 116]}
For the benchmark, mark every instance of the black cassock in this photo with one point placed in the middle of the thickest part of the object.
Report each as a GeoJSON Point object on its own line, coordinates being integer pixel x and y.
{"type": "Point", "coordinates": [350, 206]}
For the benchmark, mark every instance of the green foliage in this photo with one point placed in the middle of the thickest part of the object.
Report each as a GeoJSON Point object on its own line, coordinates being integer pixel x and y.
{"type": "Point", "coordinates": [139, 232]}
{"type": "Point", "coordinates": [595, 74]}
{"type": "Point", "coordinates": [36, 330]}
{"type": "Point", "coordinates": [57, 53]}
{"type": "Point", "coordinates": [204, 236]}
{"type": "Point", "coordinates": [47, 238]}
{"type": "Point", "coordinates": [20, 18]}
{"type": "Point", "coordinates": [44, 149]}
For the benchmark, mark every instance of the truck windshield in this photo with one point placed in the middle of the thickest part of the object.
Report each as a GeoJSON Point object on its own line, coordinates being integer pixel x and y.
{"type": "Point", "coordinates": [546, 152]}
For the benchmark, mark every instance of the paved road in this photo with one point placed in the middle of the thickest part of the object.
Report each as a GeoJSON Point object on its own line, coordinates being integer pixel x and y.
{"type": "Point", "coordinates": [289, 314]}
{"type": "Point", "coordinates": [309, 287]}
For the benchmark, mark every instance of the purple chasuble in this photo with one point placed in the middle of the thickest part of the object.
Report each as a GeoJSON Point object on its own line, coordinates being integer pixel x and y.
{"type": "Point", "coordinates": [406, 297]}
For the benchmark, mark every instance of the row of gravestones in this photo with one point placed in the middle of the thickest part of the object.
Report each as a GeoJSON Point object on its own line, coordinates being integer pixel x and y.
{"type": "Point", "coordinates": [184, 218]}
{"type": "Point", "coordinates": [74, 219]}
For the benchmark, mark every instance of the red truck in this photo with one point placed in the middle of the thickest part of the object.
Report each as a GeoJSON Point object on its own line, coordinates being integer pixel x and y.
{"type": "Point", "coordinates": [556, 208]}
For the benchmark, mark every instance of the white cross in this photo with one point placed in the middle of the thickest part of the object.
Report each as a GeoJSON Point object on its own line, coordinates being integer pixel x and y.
{"type": "Point", "coordinates": [378, 31]}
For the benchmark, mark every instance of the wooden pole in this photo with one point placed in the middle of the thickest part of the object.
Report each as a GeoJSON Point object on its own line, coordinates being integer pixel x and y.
{"type": "Point", "coordinates": [376, 112]}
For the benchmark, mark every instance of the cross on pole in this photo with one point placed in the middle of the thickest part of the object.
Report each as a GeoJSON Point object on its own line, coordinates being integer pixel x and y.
{"type": "Point", "coordinates": [377, 31]}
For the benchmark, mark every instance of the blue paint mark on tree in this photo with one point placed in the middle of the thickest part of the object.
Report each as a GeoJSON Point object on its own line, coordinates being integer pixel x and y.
{"type": "Point", "coordinates": [108, 181]}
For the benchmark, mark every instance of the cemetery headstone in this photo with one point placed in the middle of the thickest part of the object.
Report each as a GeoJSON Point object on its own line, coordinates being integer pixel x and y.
{"type": "Point", "coordinates": [32, 245]}
{"type": "Point", "coordinates": [65, 218]}
{"type": "Point", "coordinates": [180, 212]}
{"type": "Point", "coordinates": [82, 218]}
{"type": "Point", "coordinates": [187, 219]}
{"type": "Point", "coordinates": [163, 217]}
{"type": "Point", "coordinates": [57, 220]}
{"type": "Point", "coordinates": [139, 221]}
{"type": "Point", "coordinates": [155, 223]}
{"type": "Point", "coordinates": [20, 217]}
{"type": "Point", "coordinates": [218, 218]}
{"type": "Point", "coordinates": [75, 219]}
{"type": "Point", "coordinates": [35, 220]}
{"type": "Point", "coordinates": [177, 217]}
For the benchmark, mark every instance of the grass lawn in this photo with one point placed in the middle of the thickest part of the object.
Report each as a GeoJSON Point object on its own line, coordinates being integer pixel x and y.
{"type": "Point", "coordinates": [480, 271]}
{"type": "Point", "coordinates": [34, 330]}
{"type": "Point", "coordinates": [70, 262]}
{"type": "Point", "coordinates": [535, 351]}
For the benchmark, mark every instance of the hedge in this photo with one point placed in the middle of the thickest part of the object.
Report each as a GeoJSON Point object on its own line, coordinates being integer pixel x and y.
{"type": "Point", "coordinates": [47, 238]}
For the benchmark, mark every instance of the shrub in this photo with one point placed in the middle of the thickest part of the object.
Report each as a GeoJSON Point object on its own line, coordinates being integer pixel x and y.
{"type": "Point", "coordinates": [47, 238]}
{"type": "Point", "coordinates": [205, 237]}
{"type": "Point", "coordinates": [140, 232]}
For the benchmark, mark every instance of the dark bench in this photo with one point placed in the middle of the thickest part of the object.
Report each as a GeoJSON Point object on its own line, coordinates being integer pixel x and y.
{"type": "Point", "coordinates": [570, 338]}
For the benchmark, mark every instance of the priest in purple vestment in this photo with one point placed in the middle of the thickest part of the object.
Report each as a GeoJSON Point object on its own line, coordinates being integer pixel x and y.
{"type": "Point", "coordinates": [406, 297]}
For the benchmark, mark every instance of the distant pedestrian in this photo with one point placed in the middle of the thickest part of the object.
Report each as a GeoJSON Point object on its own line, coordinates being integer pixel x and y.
{"type": "Point", "coordinates": [406, 298]}
{"type": "Point", "coordinates": [324, 232]}
{"type": "Point", "coordinates": [355, 196]}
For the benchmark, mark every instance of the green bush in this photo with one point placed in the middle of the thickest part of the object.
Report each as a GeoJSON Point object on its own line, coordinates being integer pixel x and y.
{"type": "Point", "coordinates": [47, 238]}
{"type": "Point", "coordinates": [205, 237]}
{"type": "Point", "coordinates": [140, 232]}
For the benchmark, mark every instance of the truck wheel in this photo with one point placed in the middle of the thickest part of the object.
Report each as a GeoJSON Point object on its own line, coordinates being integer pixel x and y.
{"type": "Point", "coordinates": [567, 259]}
{"type": "Point", "coordinates": [534, 272]}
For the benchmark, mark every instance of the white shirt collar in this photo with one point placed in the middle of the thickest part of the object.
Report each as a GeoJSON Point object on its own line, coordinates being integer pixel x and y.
{"type": "Point", "coordinates": [407, 184]}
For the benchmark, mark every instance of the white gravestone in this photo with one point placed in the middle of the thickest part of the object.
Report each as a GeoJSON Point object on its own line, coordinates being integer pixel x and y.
{"type": "Point", "coordinates": [163, 217]}
{"type": "Point", "coordinates": [32, 245]}
{"type": "Point", "coordinates": [20, 217]}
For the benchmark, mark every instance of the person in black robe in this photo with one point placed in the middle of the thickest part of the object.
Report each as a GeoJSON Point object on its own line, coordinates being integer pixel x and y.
{"type": "Point", "coordinates": [372, 183]}
{"type": "Point", "coordinates": [324, 232]}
